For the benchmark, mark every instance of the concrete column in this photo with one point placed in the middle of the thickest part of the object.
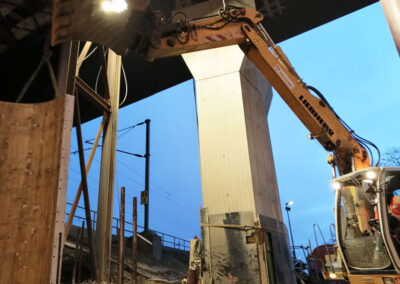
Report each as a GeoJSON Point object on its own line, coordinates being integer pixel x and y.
{"type": "Point", "coordinates": [392, 13]}
{"type": "Point", "coordinates": [236, 158]}
{"type": "Point", "coordinates": [237, 169]}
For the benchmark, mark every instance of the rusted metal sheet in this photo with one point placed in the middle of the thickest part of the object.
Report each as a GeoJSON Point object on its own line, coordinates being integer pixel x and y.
{"type": "Point", "coordinates": [31, 154]}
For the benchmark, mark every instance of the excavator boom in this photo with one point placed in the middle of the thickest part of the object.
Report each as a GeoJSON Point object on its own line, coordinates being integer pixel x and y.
{"type": "Point", "coordinates": [153, 36]}
{"type": "Point", "coordinates": [242, 26]}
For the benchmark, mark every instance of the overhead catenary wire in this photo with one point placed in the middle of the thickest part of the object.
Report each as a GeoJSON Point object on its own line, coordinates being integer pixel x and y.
{"type": "Point", "coordinates": [169, 198]}
{"type": "Point", "coordinates": [152, 182]}
{"type": "Point", "coordinates": [165, 214]}
{"type": "Point", "coordinates": [120, 130]}
{"type": "Point", "coordinates": [167, 194]}
{"type": "Point", "coordinates": [161, 191]}
{"type": "Point", "coordinates": [123, 134]}
{"type": "Point", "coordinates": [78, 172]}
{"type": "Point", "coordinates": [127, 176]}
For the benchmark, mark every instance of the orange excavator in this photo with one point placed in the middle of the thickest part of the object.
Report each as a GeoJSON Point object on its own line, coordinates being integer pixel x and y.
{"type": "Point", "coordinates": [368, 239]}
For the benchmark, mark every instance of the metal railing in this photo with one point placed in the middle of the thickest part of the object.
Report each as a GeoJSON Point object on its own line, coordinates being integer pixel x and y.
{"type": "Point", "coordinates": [166, 239]}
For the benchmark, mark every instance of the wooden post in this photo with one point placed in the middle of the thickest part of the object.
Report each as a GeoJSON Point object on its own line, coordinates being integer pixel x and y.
{"type": "Point", "coordinates": [75, 263]}
{"type": "Point", "coordinates": [77, 252]}
{"type": "Point", "coordinates": [134, 241]}
{"type": "Point", "coordinates": [121, 238]}
{"type": "Point", "coordinates": [107, 170]}
{"type": "Point", "coordinates": [82, 56]}
{"type": "Point", "coordinates": [81, 240]}
{"type": "Point", "coordinates": [147, 176]}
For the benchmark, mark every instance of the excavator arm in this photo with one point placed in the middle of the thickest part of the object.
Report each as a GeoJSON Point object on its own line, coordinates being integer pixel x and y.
{"type": "Point", "coordinates": [242, 26]}
{"type": "Point", "coordinates": [231, 26]}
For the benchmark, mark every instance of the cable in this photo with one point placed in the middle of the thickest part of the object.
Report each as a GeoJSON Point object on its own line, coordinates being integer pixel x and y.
{"type": "Point", "coordinates": [123, 134]}
{"type": "Point", "coordinates": [167, 195]}
{"type": "Point", "coordinates": [98, 73]}
{"type": "Point", "coordinates": [90, 54]}
{"type": "Point", "coordinates": [362, 141]}
{"type": "Point", "coordinates": [128, 177]}
{"type": "Point", "coordinates": [120, 130]}
{"type": "Point", "coordinates": [97, 78]}
{"type": "Point", "coordinates": [126, 84]}
{"type": "Point", "coordinates": [152, 182]}
{"type": "Point", "coordinates": [79, 172]}
{"type": "Point", "coordinates": [30, 80]}
{"type": "Point", "coordinates": [227, 17]}
{"type": "Point", "coordinates": [165, 216]}
{"type": "Point", "coordinates": [74, 179]}
{"type": "Point", "coordinates": [128, 167]}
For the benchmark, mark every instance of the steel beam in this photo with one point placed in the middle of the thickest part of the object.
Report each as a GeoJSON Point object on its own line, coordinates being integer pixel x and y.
{"type": "Point", "coordinates": [92, 96]}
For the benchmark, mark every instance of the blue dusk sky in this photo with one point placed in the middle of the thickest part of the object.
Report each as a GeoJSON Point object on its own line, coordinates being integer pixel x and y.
{"type": "Point", "coordinates": [352, 61]}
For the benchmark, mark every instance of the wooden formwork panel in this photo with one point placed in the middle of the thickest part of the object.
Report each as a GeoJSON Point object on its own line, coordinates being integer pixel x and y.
{"type": "Point", "coordinates": [31, 147]}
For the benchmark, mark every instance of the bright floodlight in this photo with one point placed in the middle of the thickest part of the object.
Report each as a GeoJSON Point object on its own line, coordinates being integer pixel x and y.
{"type": "Point", "coordinates": [371, 175]}
{"type": "Point", "coordinates": [336, 185]}
{"type": "Point", "coordinates": [116, 6]}
{"type": "Point", "coordinates": [332, 275]}
{"type": "Point", "coordinates": [289, 203]}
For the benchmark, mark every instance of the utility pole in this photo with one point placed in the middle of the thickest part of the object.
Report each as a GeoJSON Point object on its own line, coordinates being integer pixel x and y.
{"type": "Point", "coordinates": [287, 208]}
{"type": "Point", "coordinates": [147, 176]}
{"type": "Point", "coordinates": [134, 241]}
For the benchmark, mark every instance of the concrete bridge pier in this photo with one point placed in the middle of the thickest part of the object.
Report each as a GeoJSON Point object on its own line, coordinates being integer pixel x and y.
{"type": "Point", "coordinates": [243, 234]}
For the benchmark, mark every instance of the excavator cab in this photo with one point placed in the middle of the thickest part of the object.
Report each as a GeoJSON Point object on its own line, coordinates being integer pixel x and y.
{"type": "Point", "coordinates": [367, 231]}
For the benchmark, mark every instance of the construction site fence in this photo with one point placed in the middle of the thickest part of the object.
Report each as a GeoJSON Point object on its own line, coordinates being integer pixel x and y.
{"type": "Point", "coordinates": [167, 239]}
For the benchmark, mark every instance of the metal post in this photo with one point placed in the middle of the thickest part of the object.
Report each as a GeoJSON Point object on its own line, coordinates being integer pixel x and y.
{"type": "Point", "coordinates": [287, 208]}
{"type": "Point", "coordinates": [147, 177]}
{"type": "Point", "coordinates": [134, 241]}
{"type": "Point", "coordinates": [121, 238]}
{"type": "Point", "coordinates": [85, 186]}
{"type": "Point", "coordinates": [80, 188]}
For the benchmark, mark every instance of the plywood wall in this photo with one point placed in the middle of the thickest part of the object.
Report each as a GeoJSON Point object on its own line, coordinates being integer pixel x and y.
{"type": "Point", "coordinates": [31, 146]}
